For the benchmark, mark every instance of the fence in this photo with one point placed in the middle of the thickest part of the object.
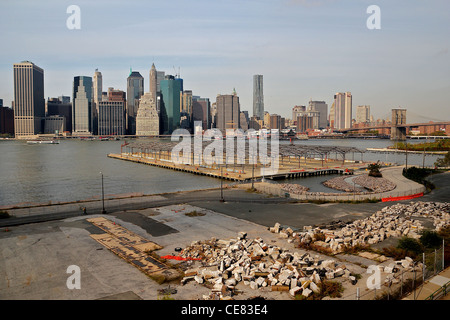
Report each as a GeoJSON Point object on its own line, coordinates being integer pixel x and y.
{"type": "Point", "coordinates": [407, 283]}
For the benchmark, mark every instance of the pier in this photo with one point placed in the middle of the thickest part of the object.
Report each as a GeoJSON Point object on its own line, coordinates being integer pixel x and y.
{"type": "Point", "coordinates": [294, 161]}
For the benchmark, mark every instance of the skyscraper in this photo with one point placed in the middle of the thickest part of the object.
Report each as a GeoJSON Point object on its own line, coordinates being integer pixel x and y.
{"type": "Point", "coordinates": [201, 111]}
{"type": "Point", "coordinates": [322, 108]}
{"type": "Point", "coordinates": [111, 118]}
{"type": "Point", "coordinates": [147, 119]}
{"type": "Point", "coordinates": [258, 96]}
{"type": "Point", "coordinates": [82, 113]}
{"type": "Point", "coordinates": [29, 101]}
{"type": "Point", "coordinates": [153, 81]}
{"type": "Point", "coordinates": [343, 110]}
{"type": "Point", "coordinates": [171, 88]}
{"type": "Point", "coordinates": [135, 89]}
{"type": "Point", "coordinates": [98, 87]}
{"type": "Point", "coordinates": [228, 112]}
{"type": "Point", "coordinates": [363, 114]}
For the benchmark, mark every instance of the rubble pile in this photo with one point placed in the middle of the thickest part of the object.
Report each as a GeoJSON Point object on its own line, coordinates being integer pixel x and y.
{"type": "Point", "coordinates": [339, 183]}
{"type": "Point", "coordinates": [294, 188]}
{"type": "Point", "coordinates": [390, 221]}
{"type": "Point", "coordinates": [438, 211]}
{"type": "Point", "coordinates": [259, 265]}
{"type": "Point", "coordinates": [364, 184]}
{"type": "Point", "coordinates": [374, 184]}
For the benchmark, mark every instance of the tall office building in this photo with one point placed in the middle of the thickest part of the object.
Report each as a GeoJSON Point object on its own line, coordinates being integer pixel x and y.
{"type": "Point", "coordinates": [153, 82]}
{"type": "Point", "coordinates": [98, 87]}
{"type": "Point", "coordinates": [82, 111]}
{"type": "Point", "coordinates": [62, 107]}
{"type": "Point", "coordinates": [135, 89]}
{"type": "Point", "coordinates": [322, 108]}
{"type": "Point", "coordinates": [228, 112]}
{"type": "Point", "coordinates": [29, 102]}
{"type": "Point", "coordinates": [343, 110]}
{"type": "Point", "coordinates": [201, 111]}
{"type": "Point", "coordinates": [147, 119]}
{"type": "Point", "coordinates": [111, 118]}
{"type": "Point", "coordinates": [171, 88]}
{"type": "Point", "coordinates": [362, 114]}
{"type": "Point", "coordinates": [258, 96]}
{"type": "Point", "coordinates": [296, 111]}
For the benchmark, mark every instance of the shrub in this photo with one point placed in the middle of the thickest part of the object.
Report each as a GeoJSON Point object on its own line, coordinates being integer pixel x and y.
{"type": "Point", "coordinates": [410, 244]}
{"type": "Point", "coordinates": [430, 239]}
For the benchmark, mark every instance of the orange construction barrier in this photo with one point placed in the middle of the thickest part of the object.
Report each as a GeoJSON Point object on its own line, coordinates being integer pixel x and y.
{"type": "Point", "coordinates": [179, 258]}
{"type": "Point", "coordinates": [402, 198]}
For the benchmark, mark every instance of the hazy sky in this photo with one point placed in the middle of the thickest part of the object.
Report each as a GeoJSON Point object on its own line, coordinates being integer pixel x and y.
{"type": "Point", "coordinates": [304, 48]}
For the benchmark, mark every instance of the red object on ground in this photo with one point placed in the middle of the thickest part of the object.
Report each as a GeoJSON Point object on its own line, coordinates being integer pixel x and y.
{"type": "Point", "coordinates": [417, 195]}
{"type": "Point", "coordinates": [179, 258]}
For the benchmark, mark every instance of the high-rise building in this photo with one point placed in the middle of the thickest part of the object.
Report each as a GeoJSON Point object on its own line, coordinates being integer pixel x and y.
{"type": "Point", "coordinates": [111, 118]}
{"type": "Point", "coordinates": [135, 89]}
{"type": "Point", "coordinates": [29, 101]}
{"type": "Point", "coordinates": [61, 107]}
{"type": "Point", "coordinates": [258, 96]}
{"type": "Point", "coordinates": [6, 120]}
{"type": "Point", "coordinates": [343, 110]}
{"type": "Point", "coordinates": [228, 112]}
{"type": "Point", "coordinates": [322, 108]}
{"type": "Point", "coordinates": [275, 121]}
{"type": "Point", "coordinates": [82, 111]}
{"type": "Point", "coordinates": [98, 87]}
{"type": "Point", "coordinates": [153, 82]}
{"type": "Point", "coordinates": [147, 119]}
{"type": "Point", "coordinates": [201, 111]}
{"type": "Point", "coordinates": [332, 116]}
{"type": "Point", "coordinates": [362, 114]}
{"type": "Point", "coordinates": [296, 111]}
{"type": "Point", "coordinates": [186, 101]}
{"type": "Point", "coordinates": [171, 88]}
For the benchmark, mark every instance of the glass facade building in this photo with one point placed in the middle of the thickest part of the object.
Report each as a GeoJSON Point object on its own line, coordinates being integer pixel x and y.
{"type": "Point", "coordinates": [171, 88]}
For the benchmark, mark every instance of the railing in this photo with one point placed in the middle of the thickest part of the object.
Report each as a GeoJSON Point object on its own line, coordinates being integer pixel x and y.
{"type": "Point", "coordinates": [439, 293]}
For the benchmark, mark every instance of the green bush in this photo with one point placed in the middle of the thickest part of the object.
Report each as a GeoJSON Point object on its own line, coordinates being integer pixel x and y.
{"type": "Point", "coordinates": [430, 239]}
{"type": "Point", "coordinates": [410, 245]}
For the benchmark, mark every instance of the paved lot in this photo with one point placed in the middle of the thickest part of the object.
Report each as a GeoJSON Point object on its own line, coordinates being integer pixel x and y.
{"type": "Point", "coordinates": [34, 258]}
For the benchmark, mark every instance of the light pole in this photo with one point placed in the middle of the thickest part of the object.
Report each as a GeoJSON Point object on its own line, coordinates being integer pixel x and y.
{"type": "Point", "coordinates": [103, 196]}
{"type": "Point", "coordinates": [221, 185]}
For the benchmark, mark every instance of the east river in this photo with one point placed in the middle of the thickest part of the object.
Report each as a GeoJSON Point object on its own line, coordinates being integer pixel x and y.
{"type": "Point", "coordinates": [70, 171]}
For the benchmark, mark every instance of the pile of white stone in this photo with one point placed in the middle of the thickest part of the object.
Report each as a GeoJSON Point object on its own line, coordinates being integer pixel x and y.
{"type": "Point", "coordinates": [259, 265]}
{"type": "Point", "coordinates": [391, 221]}
{"type": "Point", "coordinates": [438, 211]}
{"type": "Point", "coordinates": [374, 184]}
{"type": "Point", "coordinates": [294, 188]}
{"type": "Point", "coordinates": [363, 184]}
{"type": "Point", "coordinates": [339, 183]}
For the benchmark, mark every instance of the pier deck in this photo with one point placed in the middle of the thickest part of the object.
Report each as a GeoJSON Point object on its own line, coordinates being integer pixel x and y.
{"type": "Point", "coordinates": [288, 167]}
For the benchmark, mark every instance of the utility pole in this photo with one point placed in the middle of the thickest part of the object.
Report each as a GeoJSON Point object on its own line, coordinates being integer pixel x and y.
{"type": "Point", "coordinates": [103, 196]}
{"type": "Point", "coordinates": [221, 184]}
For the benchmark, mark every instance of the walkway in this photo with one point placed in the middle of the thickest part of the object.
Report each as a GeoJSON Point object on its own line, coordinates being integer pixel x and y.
{"type": "Point", "coordinates": [431, 286]}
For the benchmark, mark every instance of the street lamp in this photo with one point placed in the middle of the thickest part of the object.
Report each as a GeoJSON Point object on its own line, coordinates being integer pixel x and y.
{"type": "Point", "coordinates": [103, 196]}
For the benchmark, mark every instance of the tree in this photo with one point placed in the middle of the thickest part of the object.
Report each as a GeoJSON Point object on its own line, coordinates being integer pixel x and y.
{"type": "Point", "coordinates": [374, 170]}
{"type": "Point", "coordinates": [443, 162]}
{"type": "Point", "coordinates": [430, 239]}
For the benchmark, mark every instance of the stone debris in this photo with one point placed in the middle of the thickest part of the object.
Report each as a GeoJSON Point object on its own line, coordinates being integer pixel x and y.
{"type": "Point", "coordinates": [363, 184]}
{"type": "Point", "coordinates": [294, 188]}
{"type": "Point", "coordinates": [258, 265]}
{"type": "Point", "coordinates": [391, 221]}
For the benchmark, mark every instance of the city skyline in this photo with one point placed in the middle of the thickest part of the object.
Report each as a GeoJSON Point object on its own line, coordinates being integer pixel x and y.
{"type": "Point", "coordinates": [305, 50]}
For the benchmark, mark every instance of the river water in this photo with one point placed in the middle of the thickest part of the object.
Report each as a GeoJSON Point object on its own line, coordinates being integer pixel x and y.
{"type": "Point", "coordinates": [70, 171]}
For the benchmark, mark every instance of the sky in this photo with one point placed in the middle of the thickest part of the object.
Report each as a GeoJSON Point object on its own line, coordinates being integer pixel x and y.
{"type": "Point", "coordinates": [305, 49]}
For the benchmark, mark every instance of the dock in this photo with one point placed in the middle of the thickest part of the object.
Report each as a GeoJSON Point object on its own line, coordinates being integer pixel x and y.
{"type": "Point", "coordinates": [244, 173]}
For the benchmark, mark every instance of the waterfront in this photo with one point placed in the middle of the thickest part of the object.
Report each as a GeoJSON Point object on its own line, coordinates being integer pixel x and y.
{"type": "Point", "coordinates": [70, 171]}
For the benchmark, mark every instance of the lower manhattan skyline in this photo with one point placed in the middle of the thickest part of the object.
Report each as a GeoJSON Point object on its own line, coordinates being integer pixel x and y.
{"type": "Point", "coordinates": [304, 49]}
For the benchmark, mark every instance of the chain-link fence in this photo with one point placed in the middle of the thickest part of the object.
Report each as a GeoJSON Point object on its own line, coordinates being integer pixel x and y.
{"type": "Point", "coordinates": [404, 283]}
